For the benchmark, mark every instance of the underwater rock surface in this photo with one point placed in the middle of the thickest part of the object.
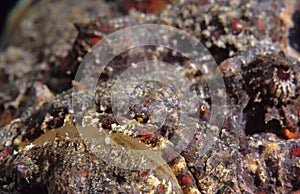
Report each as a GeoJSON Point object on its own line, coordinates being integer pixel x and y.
{"type": "Point", "coordinates": [256, 150]}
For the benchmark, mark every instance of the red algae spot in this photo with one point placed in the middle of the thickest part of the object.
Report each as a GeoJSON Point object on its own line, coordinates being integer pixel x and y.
{"type": "Point", "coordinates": [106, 29]}
{"type": "Point", "coordinates": [296, 152]}
{"type": "Point", "coordinates": [125, 26]}
{"type": "Point", "coordinates": [146, 135]}
{"type": "Point", "coordinates": [94, 40]}
{"type": "Point", "coordinates": [161, 189]}
{"type": "Point", "coordinates": [144, 174]}
{"type": "Point", "coordinates": [239, 26]}
{"type": "Point", "coordinates": [186, 179]}
{"type": "Point", "coordinates": [5, 152]}
{"type": "Point", "coordinates": [146, 6]}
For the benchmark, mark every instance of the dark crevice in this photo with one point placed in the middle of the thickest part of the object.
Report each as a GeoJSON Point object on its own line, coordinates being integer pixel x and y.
{"type": "Point", "coordinates": [294, 32]}
{"type": "Point", "coordinates": [35, 189]}
{"type": "Point", "coordinates": [220, 54]}
{"type": "Point", "coordinates": [254, 113]}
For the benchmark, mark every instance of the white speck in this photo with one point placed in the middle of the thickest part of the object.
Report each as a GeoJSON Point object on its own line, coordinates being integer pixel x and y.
{"type": "Point", "coordinates": [28, 147]}
{"type": "Point", "coordinates": [113, 126]}
{"type": "Point", "coordinates": [144, 159]}
{"type": "Point", "coordinates": [134, 65]}
{"type": "Point", "coordinates": [205, 68]}
{"type": "Point", "coordinates": [97, 61]}
{"type": "Point", "coordinates": [107, 140]}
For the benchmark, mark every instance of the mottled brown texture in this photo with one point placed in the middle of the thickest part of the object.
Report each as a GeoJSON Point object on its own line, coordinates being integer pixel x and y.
{"type": "Point", "coordinates": [244, 37]}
